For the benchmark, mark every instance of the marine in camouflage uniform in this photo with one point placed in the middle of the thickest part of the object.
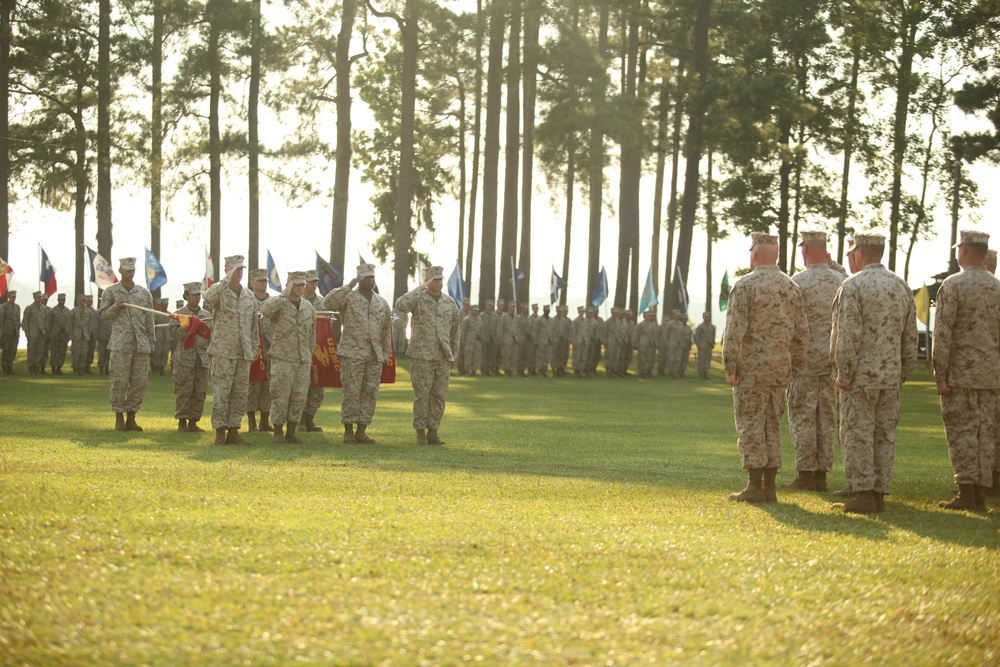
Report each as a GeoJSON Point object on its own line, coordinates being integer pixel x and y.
{"type": "Point", "coordinates": [608, 332]}
{"type": "Point", "coordinates": [232, 349]}
{"type": "Point", "coordinates": [525, 347]}
{"type": "Point", "coordinates": [529, 349]}
{"type": "Point", "coordinates": [259, 393]}
{"type": "Point", "coordinates": [131, 343]}
{"type": "Point", "coordinates": [644, 340]}
{"type": "Point", "coordinates": [464, 312]}
{"type": "Point", "coordinates": [82, 332]}
{"type": "Point", "coordinates": [33, 323]}
{"type": "Point", "coordinates": [508, 333]}
{"type": "Point", "coordinates": [365, 347]}
{"type": "Point", "coordinates": [874, 347]}
{"type": "Point", "coordinates": [543, 341]}
{"type": "Point", "coordinates": [10, 331]}
{"type": "Point", "coordinates": [161, 352]}
{"type": "Point", "coordinates": [991, 266]}
{"type": "Point", "coordinates": [472, 339]}
{"type": "Point", "coordinates": [678, 345]}
{"type": "Point", "coordinates": [763, 347]}
{"type": "Point", "coordinates": [487, 338]}
{"type": "Point", "coordinates": [812, 396]}
{"type": "Point", "coordinates": [59, 330]}
{"type": "Point", "coordinates": [190, 367]}
{"type": "Point", "coordinates": [100, 341]}
{"type": "Point", "coordinates": [292, 320]}
{"type": "Point", "coordinates": [560, 340]}
{"type": "Point", "coordinates": [315, 395]}
{"type": "Point", "coordinates": [966, 357]}
{"type": "Point", "coordinates": [433, 344]}
{"type": "Point", "coordinates": [704, 341]}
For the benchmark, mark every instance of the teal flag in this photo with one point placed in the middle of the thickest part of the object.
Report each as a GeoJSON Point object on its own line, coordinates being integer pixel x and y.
{"type": "Point", "coordinates": [724, 292]}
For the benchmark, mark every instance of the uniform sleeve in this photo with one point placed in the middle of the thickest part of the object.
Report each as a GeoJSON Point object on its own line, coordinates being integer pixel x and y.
{"type": "Point", "coordinates": [848, 336]}
{"type": "Point", "coordinates": [150, 328]}
{"type": "Point", "coordinates": [271, 309]}
{"type": "Point", "coordinates": [407, 302]}
{"type": "Point", "coordinates": [736, 329]}
{"type": "Point", "coordinates": [214, 293]}
{"type": "Point", "coordinates": [337, 298]}
{"type": "Point", "coordinates": [800, 339]}
{"type": "Point", "coordinates": [456, 334]}
{"type": "Point", "coordinates": [387, 334]}
{"type": "Point", "coordinates": [909, 341]}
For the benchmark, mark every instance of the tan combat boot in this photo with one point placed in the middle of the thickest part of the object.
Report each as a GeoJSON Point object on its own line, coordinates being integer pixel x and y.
{"type": "Point", "coordinates": [996, 483]}
{"type": "Point", "coordinates": [862, 503]}
{"type": "Point", "coordinates": [349, 434]}
{"type": "Point", "coordinates": [279, 436]}
{"type": "Point", "coordinates": [981, 493]}
{"type": "Point", "coordinates": [182, 425]}
{"type": "Point", "coordinates": [130, 424]}
{"type": "Point", "coordinates": [310, 425]}
{"type": "Point", "coordinates": [804, 480]}
{"type": "Point", "coordinates": [965, 500]}
{"type": "Point", "coordinates": [251, 421]}
{"type": "Point", "coordinates": [290, 436]}
{"type": "Point", "coordinates": [819, 479]}
{"type": "Point", "coordinates": [432, 437]}
{"type": "Point", "coordinates": [421, 437]}
{"type": "Point", "coordinates": [844, 493]}
{"type": "Point", "coordinates": [770, 493]}
{"type": "Point", "coordinates": [234, 437]}
{"type": "Point", "coordinates": [220, 436]}
{"type": "Point", "coordinates": [120, 422]}
{"type": "Point", "coordinates": [754, 493]}
{"type": "Point", "coordinates": [193, 426]}
{"type": "Point", "coordinates": [879, 501]}
{"type": "Point", "coordinates": [264, 423]}
{"type": "Point", "coordinates": [362, 438]}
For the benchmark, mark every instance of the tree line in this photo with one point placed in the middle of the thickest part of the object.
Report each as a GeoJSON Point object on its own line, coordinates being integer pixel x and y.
{"type": "Point", "coordinates": [752, 114]}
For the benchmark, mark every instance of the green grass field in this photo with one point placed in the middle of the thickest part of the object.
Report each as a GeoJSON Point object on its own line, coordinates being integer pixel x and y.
{"type": "Point", "coordinates": [566, 522]}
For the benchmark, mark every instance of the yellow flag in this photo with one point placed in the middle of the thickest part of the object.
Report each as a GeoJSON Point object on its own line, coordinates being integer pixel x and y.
{"type": "Point", "coordinates": [922, 301]}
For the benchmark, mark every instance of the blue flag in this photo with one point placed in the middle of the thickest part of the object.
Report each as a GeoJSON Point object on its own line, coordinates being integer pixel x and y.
{"type": "Point", "coordinates": [600, 289]}
{"type": "Point", "coordinates": [555, 284]}
{"type": "Point", "coordinates": [648, 299]}
{"type": "Point", "coordinates": [156, 277]}
{"type": "Point", "coordinates": [329, 276]}
{"type": "Point", "coordinates": [273, 277]}
{"type": "Point", "coordinates": [47, 274]}
{"type": "Point", "coordinates": [456, 286]}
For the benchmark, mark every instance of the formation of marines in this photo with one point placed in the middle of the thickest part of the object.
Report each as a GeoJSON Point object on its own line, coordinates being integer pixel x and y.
{"type": "Point", "coordinates": [836, 348]}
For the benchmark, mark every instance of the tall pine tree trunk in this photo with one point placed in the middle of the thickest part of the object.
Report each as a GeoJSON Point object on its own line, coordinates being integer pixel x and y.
{"type": "Point", "coordinates": [532, 16]}
{"type": "Point", "coordinates": [693, 145]}
{"type": "Point", "coordinates": [631, 166]}
{"type": "Point", "coordinates": [661, 173]}
{"type": "Point", "coordinates": [156, 132]}
{"type": "Point", "coordinates": [103, 143]}
{"type": "Point", "coordinates": [508, 240]}
{"type": "Point", "coordinates": [214, 133]}
{"type": "Point", "coordinates": [462, 170]}
{"type": "Point", "coordinates": [849, 129]}
{"type": "Point", "coordinates": [409, 27]}
{"type": "Point", "coordinates": [904, 86]}
{"type": "Point", "coordinates": [80, 178]}
{"type": "Point", "coordinates": [491, 155]}
{"type": "Point", "coordinates": [567, 238]}
{"type": "Point", "coordinates": [6, 15]}
{"type": "Point", "coordinates": [253, 165]}
{"type": "Point", "coordinates": [476, 131]}
{"type": "Point", "coordinates": [342, 169]}
{"type": "Point", "coordinates": [596, 168]}
{"type": "Point", "coordinates": [675, 152]}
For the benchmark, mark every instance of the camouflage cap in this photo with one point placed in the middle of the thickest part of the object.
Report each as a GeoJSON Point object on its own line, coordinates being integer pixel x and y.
{"type": "Point", "coordinates": [81, 297]}
{"type": "Point", "coordinates": [298, 277]}
{"type": "Point", "coordinates": [311, 276]}
{"type": "Point", "coordinates": [500, 302]}
{"type": "Point", "coordinates": [366, 270]}
{"type": "Point", "coordinates": [972, 237]}
{"type": "Point", "coordinates": [562, 308]}
{"type": "Point", "coordinates": [474, 306]}
{"type": "Point", "coordinates": [867, 240]}
{"type": "Point", "coordinates": [126, 264]}
{"type": "Point", "coordinates": [235, 262]}
{"type": "Point", "coordinates": [192, 288]}
{"type": "Point", "coordinates": [762, 238]}
{"type": "Point", "coordinates": [489, 302]}
{"type": "Point", "coordinates": [991, 254]}
{"type": "Point", "coordinates": [258, 274]}
{"type": "Point", "coordinates": [12, 292]}
{"type": "Point", "coordinates": [812, 237]}
{"type": "Point", "coordinates": [434, 273]}
{"type": "Point", "coordinates": [165, 301]}
{"type": "Point", "coordinates": [36, 293]}
{"type": "Point", "coordinates": [179, 303]}
{"type": "Point", "coordinates": [61, 296]}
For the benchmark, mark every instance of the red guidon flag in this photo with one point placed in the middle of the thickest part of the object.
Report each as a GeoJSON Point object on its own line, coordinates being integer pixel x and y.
{"type": "Point", "coordinates": [389, 368]}
{"type": "Point", "coordinates": [194, 325]}
{"type": "Point", "coordinates": [325, 370]}
{"type": "Point", "coordinates": [258, 369]}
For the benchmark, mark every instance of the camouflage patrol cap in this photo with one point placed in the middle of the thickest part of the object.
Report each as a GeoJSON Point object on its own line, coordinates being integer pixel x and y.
{"type": "Point", "coordinates": [489, 302]}
{"type": "Point", "coordinates": [311, 276]}
{"type": "Point", "coordinates": [991, 254]}
{"type": "Point", "coordinates": [165, 301]}
{"type": "Point", "coordinates": [126, 264]}
{"type": "Point", "coordinates": [298, 277]}
{"type": "Point", "coordinates": [434, 273]}
{"type": "Point", "coordinates": [179, 303]}
{"type": "Point", "coordinates": [812, 237]}
{"type": "Point", "coordinates": [258, 274]}
{"type": "Point", "coordinates": [366, 270]}
{"type": "Point", "coordinates": [561, 308]}
{"type": "Point", "coordinates": [474, 306]}
{"type": "Point", "coordinates": [762, 238]}
{"type": "Point", "coordinates": [500, 302]}
{"type": "Point", "coordinates": [12, 292]}
{"type": "Point", "coordinates": [867, 240]}
{"type": "Point", "coordinates": [235, 262]}
{"type": "Point", "coordinates": [972, 237]}
{"type": "Point", "coordinates": [61, 296]}
{"type": "Point", "coordinates": [192, 288]}
{"type": "Point", "coordinates": [36, 293]}
{"type": "Point", "coordinates": [81, 297]}
{"type": "Point", "coordinates": [649, 313]}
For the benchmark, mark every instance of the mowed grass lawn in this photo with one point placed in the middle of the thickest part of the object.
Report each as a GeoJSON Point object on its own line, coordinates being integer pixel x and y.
{"type": "Point", "coordinates": [565, 522]}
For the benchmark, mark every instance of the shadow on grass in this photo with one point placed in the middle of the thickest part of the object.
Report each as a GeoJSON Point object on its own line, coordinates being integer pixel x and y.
{"type": "Point", "coordinates": [967, 529]}
{"type": "Point", "coordinates": [828, 522]}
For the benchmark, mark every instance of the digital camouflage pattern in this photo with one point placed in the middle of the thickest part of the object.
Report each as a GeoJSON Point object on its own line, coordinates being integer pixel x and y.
{"type": "Point", "coordinates": [190, 368]}
{"type": "Point", "coordinates": [293, 339]}
{"type": "Point", "coordinates": [130, 344]}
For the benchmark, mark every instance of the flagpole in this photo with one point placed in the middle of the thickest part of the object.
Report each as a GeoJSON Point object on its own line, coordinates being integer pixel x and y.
{"type": "Point", "coordinates": [513, 278]}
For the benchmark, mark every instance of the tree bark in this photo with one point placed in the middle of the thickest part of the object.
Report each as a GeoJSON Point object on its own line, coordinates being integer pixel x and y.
{"type": "Point", "coordinates": [253, 163]}
{"type": "Point", "coordinates": [491, 155]}
{"type": "Point", "coordinates": [631, 168]}
{"type": "Point", "coordinates": [342, 169]}
{"type": "Point", "coordinates": [904, 86]}
{"type": "Point", "coordinates": [532, 16]}
{"type": "Point", "coordinates": [156, 132]}
{"type": "Point", "coordinates": [409, 29]}
{"type": "Point", "coordinates": [508, 239]}
{"type": "Point", "coordinates": [477, 131]}
{"type": "Point", "coordinates": [849, 130]}
{"type": "Point", "coordinates": [104, 239]}
{"type": "Point", "coordinates": [675, 152]}
{"type": "Point", "coordinates": [6, 15]}
{"type": "Point", "coordinates": [596, 167]}
{"type": "Point", "coordinates": [214, 134]}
